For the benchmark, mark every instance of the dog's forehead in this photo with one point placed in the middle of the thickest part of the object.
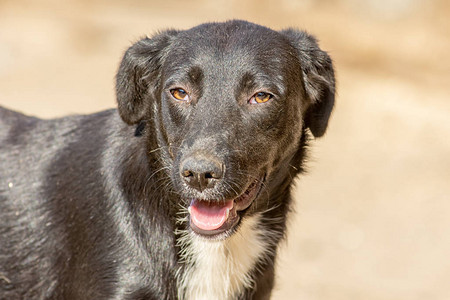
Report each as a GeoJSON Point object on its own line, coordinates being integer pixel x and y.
{"type": "Point", "coordinates": [230, 41]}
{"type": "Point", "coordinates": [231, 48]}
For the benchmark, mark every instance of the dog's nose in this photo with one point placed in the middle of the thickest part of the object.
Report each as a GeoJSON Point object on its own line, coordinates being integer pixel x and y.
{"type": "Point", "coordinates": [201, 172]}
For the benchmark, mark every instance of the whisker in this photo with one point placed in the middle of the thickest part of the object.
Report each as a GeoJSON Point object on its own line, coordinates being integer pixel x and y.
{"type": "Point", "coordinates": [229, 184]}
{"type": "Point", "coordinates": [151, 176]}
{"type": "Point", "coordinates": [157, 149]}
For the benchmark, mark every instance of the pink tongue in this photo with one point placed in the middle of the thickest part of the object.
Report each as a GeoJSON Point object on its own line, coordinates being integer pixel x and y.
{"type": "Point", "coordinates": [209, 216]}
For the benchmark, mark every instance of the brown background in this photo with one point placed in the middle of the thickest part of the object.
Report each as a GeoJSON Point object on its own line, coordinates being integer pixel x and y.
{"type": "Point", "coordinates": [373, 213]}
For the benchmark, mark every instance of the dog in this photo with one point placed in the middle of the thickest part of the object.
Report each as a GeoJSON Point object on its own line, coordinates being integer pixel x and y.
{"type": "Point", "coordinates": [183, 191]}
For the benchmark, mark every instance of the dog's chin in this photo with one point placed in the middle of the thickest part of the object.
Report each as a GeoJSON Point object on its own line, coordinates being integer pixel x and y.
{"type": "Point", "coordinates": [218, 220]}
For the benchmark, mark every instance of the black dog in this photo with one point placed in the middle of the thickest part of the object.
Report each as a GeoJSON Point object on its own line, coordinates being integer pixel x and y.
{"type": "Point", "coordinates": [180, 194]}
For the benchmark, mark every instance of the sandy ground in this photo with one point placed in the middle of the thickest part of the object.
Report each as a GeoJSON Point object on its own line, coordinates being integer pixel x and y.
{"type": "Point", "coordinates": [372, 215]}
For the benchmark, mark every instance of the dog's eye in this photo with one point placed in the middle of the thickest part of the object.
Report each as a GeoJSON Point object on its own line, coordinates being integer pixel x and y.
{"type": "Point", "coordinates": [180, 94]}
{"type": "Point", "coordinates": [260, 97]}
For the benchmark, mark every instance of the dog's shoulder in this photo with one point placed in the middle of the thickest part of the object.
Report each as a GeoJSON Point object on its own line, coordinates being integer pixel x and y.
{"type": "Point", "coordinates": [52, 174]}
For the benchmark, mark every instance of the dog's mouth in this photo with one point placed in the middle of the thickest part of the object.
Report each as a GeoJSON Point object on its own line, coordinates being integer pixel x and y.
{"type": "Point", "coordinates": [212, 218]}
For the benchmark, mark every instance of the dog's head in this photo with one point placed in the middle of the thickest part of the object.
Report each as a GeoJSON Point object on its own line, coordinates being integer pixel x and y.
{"type": "Point", "coordinates": [228, 103]}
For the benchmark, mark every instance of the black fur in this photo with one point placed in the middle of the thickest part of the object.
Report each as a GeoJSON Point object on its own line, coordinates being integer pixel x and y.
{"type": "Point", "coordinates": [89, 204]}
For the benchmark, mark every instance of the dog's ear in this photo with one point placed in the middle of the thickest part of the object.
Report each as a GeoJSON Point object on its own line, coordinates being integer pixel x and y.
{"type": "Point", "coordinates": [318, 78]}
{"type": "Point", "coordinates": [139, 74]}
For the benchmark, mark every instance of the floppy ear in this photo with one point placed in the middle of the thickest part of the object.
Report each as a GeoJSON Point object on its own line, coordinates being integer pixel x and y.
{"type": "Point", "coordinates": [139, 74]}
{"type": "Point", "coordinates": [318, 78]}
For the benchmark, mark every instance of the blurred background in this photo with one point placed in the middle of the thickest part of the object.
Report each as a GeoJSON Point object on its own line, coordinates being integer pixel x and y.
{"type": "Point", "coordinates": [372, 216]}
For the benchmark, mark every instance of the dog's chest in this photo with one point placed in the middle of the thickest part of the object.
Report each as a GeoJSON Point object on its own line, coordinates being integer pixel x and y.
{"type": "Point", "coordinates": [222, 269]}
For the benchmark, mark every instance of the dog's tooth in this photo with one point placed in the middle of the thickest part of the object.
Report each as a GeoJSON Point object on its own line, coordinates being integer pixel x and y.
{"type": "Point", "coordinates": [189, 209]}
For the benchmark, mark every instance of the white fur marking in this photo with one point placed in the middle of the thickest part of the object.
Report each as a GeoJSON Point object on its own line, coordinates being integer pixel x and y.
{"type": "Point", "coordinates": [220, 269]}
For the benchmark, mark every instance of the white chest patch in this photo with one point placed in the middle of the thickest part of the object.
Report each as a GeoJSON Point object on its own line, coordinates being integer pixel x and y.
{"type": "Point", "coordinates": [219, 270]}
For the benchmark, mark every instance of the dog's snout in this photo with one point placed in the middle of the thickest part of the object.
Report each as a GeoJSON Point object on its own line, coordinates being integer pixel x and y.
{"type": "Point", "coordinates": [201, 172]}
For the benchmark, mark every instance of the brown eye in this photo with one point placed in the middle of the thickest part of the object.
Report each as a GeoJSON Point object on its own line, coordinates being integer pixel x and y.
{"type": "Point", "coordinates": [260, 97]}
{"type": "Point", "coordinates": [180, 94]}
